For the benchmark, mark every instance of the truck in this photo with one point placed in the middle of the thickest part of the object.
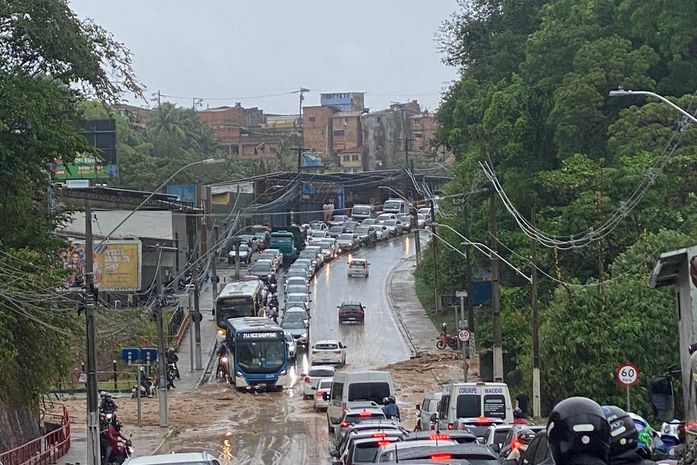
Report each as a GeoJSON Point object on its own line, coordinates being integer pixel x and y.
{"type": "Point", "coordinates": [290, 240]}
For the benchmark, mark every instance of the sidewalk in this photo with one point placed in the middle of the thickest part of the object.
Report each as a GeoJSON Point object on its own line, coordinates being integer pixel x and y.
{"type": "Point", "coordinates": [417, 328]}
{"type": "Point", "coordinates": [148, 439]}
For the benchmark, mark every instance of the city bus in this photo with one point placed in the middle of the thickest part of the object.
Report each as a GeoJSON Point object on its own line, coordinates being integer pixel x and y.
{"type": "Point", "coordinates": [255, 354]}
{"type": "Point", "coordinates": [239, 299]}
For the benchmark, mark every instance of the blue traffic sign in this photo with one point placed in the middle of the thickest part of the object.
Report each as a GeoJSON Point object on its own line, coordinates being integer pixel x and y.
{"type": "Point", "coordinates": [148, 355]}
{"type": "Point", "coordinates": [130, 355]}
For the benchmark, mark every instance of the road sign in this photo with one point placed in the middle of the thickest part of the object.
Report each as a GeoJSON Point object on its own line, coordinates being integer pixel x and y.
{"type": "Point", "coordinates": [461, 294]}
{"type": "Point", "coordinates": [148, 355]}
{"type": "Point", "coordinates": [130, 354]}
{"type": "Point", "coordinates": [627, 374]}
{"type": "Point", "coordinates": [463, 335]}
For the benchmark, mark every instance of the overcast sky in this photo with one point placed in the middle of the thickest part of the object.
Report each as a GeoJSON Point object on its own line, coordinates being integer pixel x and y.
{"type": "Point", "coordinates": [230, 49]}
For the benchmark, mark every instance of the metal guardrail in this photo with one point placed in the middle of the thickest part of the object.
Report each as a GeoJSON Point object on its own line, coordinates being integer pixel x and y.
{"type": "Point", "coordinates": [44, 450]}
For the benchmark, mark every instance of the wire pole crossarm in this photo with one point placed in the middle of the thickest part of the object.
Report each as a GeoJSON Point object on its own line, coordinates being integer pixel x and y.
{"type": "Point", "coordinates": [622, 93]}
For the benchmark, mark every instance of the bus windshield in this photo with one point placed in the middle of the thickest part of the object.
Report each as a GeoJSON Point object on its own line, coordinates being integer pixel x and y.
{"type": "Point", "coordinates": [233, 307]}
{"type": "Point", "coordinates": [260, 356]}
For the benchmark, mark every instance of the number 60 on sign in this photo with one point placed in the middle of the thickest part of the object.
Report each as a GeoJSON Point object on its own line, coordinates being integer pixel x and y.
{"type": "Point", "coordinates": [627, 374]}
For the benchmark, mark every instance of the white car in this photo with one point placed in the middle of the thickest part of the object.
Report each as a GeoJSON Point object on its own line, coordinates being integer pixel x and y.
{"type": "Point", "coordinates": [291, 345]}
{"type": "Point", "coordinates": [294, 281]}
{"type": "Point", "coordinates": [328, 351]}
{"type": "Point", "coordinates": [386, 216]}
{"type": "Point", "coordinates": [314, 374]}
{"type": "Point", "coordinates": [317, 235]}
{"type": "Point", "coordinates": [324, 387]}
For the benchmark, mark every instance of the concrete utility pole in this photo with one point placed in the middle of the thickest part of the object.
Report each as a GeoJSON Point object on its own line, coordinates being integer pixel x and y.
{"type": "Point", "coordinates": [93, 450]}
{"type": "Point", "coordinates": [435, 257]}
{"type": "Point", "coordinates": [468, 273]}
{"type": "Point", "coordinates": [161, 360]}
{"type": "Point", "coordinates": [415, 226]}
{"type": "Point", "coordinates": [495, 292]}
{"type": "Point", "coordinates": [536, 405]}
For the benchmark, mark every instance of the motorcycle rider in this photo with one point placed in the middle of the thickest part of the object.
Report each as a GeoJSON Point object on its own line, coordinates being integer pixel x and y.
{"type": "Point", "coordinates": [173, 358]}
{"type": "Point", "coordinates": [624, 438]}
{"type": "Point", "coordinates": [390, 408]}
{"type": "Point", "coordinates": [111, 436]}
{"type": "Point", "coordinates": [418, 426]}
{"type": "Point", "coordinates": [524, 439]}
{"type": "Point", "coordinates": [444, 329]}
{"type": "Point", "coordinates": [578, 433]}
{"type": "Point", "coordinates": [107, 404]}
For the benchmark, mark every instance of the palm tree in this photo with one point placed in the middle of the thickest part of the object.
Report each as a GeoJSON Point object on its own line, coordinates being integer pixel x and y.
{"type": "Point", "coordinates": [168, 121]}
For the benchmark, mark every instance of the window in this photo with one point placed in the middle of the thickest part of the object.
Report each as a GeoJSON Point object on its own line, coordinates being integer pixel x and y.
{"type": "Point", "coordinates": [354, 158]}
{"type": "Point", "coordinates": [338, 132]}
{"type": "Point", "coordinates": [337, 391]}
{"type": "Point", "coordinates": [443, 408]}
{"type": "Point", "coordinates": [468, 406]}
{"type": "Point", "coordinates": [368, 391]}
{"type": "Point", "coordinates": [312, 119]}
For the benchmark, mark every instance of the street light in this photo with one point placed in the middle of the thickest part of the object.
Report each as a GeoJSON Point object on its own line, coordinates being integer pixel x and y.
{"type": "Point", "coordinates": [621, 93]}
{"type": "Point", "coordinates": [207, 161]}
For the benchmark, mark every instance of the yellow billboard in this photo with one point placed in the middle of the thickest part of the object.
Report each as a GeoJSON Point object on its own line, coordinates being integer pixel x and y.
{"type": "Point", "coordinates": [117, 265]}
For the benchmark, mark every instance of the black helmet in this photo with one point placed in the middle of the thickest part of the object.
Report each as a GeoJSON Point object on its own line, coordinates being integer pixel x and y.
{"type": "Point", "coordinates": [578, 432]}
{"type": "Point", "coordinates": [623, 433]}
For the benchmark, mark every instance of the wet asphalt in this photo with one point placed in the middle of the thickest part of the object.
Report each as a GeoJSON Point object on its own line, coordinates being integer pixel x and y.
{"type": "Point", "coordinates": [286, 430]}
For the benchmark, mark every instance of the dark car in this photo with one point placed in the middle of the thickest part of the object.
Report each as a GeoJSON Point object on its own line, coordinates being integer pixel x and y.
{"type": "Point", "coordinates": [537, 452]}
{"type": "Point", "coordinates": [334, 231]}
{"type": "Point", "coordinates": [350, 226]}
{"type": "Point", "coordinates": [351, 312]}
{"type": "Point", "coordinates": [366, 234]}
{"type": "Point", "coordinates": [262, 269]}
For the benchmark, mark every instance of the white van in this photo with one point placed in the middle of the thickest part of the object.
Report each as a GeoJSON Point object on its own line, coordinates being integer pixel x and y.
{"type": "Point", "coordinates": [354, 390]}
{"type": "Point", "coordinates": [474, 400]}
{"type": "Point", "coordinates": [428, 407]}
{"type": "Point", "coordinates": [361, 212]}
{"type": "Point", "coordinates": [395, 206]}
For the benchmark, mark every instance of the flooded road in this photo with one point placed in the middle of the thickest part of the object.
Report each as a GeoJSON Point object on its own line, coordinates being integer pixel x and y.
{"type": "Point", "coordinates": [282, 428]}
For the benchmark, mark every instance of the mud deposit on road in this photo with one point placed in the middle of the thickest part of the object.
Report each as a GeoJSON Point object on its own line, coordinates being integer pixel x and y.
{"type": "Point", "coordinates": [270, 428]}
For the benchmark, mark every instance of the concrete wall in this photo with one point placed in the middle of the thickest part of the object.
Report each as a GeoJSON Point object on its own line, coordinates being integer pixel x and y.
{"type": "Point", "coordinates": [18, 425]}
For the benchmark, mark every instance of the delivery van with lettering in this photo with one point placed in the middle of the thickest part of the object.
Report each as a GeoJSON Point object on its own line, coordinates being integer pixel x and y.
{"type": "Point", "coordinates": [472, 401]}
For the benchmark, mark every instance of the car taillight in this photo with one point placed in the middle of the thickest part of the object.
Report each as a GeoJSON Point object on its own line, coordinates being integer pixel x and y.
{"type": "Point", "coordinates": [380, 435]}
{"type": "Point", "coordinates": [451, 426]}
{"type": "Point", "coordinates": [306, 380]}
{"type": "Point", "coordinates": [344, 424]}
{"type": "Point", "coordinates": [365, 414]}
{"type": "Point", "coordinates": [516, 444]}
{"type": "Point", "coordinates": [441, 457]}
{"type": "Point", "coordinates": [439, 437]}
{"type": "Point", "coordinates": [315, 351]}
{"type": "Point", "coordinates": [337, 352]}
{"type": "Point", "coordinates": [384, 443]}
{"type": "Point", "coordinates": [319, 394]}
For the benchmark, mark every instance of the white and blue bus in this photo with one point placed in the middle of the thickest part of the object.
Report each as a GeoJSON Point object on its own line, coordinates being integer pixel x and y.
{"type": "Point", "coordinates": [255, 354]}
{"type": "Point", "coordinates": [239, 299]}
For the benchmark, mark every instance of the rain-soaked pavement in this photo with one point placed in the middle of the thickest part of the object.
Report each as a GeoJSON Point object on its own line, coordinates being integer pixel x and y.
{"type": "Point", "coordinates": [282, 428]}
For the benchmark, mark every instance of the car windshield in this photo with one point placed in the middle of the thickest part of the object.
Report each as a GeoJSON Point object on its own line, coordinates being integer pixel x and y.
{"type": "Point", "coordinates": [260, 356]}
{"type": "Point", "coordinates": [296, 272]}
{"type": "Point", "coordinates": [327, 346]}
{"type": "Point", "coordinates": [390, 223]}
{"type": "Point", "coordinates": [385, 216]}
{"type": "Point", "coordinates": [375, 391]}
{"type": "Point", "coordinates": [293, 323]}
{"type": "Point", "coordinates": [297, 289]}
{"type": "Point", "coordinates": [318, 233]}
{"type": "Point", "coordinates": [362, 229]}
{"type": "Point", "coordinates": [296, 298]}
{"type": "Point", "coordinates": [261, 267]}
{"type": "Point", "coordinates": [315, 225]}
{"type": "Point", "coordinates": [346, 237]}
{"type": "Point", "coordinates": [393, 204]}
{"type": "Point", "coordinates": [320, 373]}
{"type": "Point", "coordinates": [244, 247]}
{"type": "Point", "coordinates": [336, 229]}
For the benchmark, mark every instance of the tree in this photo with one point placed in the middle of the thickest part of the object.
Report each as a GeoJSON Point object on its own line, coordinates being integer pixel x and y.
{"type": "Point", "coordinates": [44, 73]}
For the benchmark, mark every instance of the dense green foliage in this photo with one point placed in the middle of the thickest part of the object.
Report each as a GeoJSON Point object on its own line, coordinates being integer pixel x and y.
{"type": "Point", "coordinates": [533, 100]}
{"type": "Point", "coordinates": [44, 72]}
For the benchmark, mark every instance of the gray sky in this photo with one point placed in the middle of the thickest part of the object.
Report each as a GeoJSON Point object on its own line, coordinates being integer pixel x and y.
{"type": "Point", "coordinates": [232, 49]}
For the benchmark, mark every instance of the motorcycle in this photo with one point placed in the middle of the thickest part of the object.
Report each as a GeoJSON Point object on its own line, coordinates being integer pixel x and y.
{"type": "Point", "coordinates": [147, 388]}
{"type": "Point", "coordinates": [222, 371]}
{"type": "Point", "coordinates": [123, 451]}
{"type": "Point", "coordinates": [446, 340]}
{"type": "Point", "coordinates": [171, 373]}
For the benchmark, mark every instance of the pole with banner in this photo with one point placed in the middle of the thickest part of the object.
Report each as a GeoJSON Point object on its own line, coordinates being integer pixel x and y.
{"type": "Point", "coordinates": [627, 375]}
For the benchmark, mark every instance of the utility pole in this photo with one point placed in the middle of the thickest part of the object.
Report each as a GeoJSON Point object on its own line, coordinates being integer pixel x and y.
{"type": "Point", "coordinates": [435, 257]}
{"type": "Point", "coordinates": [161, 360]}
{"type": "Point", "coordinates": [468, 273]}
{"type": "Point", "coordinates": [495, 292]}
{"type": "Point", "coordinates": [93, 450]}
{"type": "Point", "coordinates": [197, 324]}
{"type": "Point", "coordinates": [415, 226]}
{"type": "Point", "coordinates": [406, 152]}
{"type": "Point", "coordinates": [196, 102]}
{"type": "Point", "coordinates": [536, 408]}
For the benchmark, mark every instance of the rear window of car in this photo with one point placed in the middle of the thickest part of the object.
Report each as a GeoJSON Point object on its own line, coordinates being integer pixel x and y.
{"type": "Point", "coordinates": [357, 417]}
{"type": "Point", "coordinates": [320, 373]}
{"type": "Point", "coordinates": [468, 406]}
{"type": "Point", "coordinates": [357, 265]}
{"type": "Point", "coordinates": [351, 308]}
{"type": "Point", "coordinates": [499, 437]}
{"type": "Point", "coordinates": [375, 391]}
{"type": "Point", "coordinates": [326, 346]}
{"type": "Point", "coordinates": [325, 385]}
{"type": "Point", "coordinates": [365, 452]}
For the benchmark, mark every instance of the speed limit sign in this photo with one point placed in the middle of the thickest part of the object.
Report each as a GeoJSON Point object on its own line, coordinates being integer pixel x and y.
{"type": "Point", "coordinates": [627, 374]}
{"type": "Point", "coordinates": [463, 335]}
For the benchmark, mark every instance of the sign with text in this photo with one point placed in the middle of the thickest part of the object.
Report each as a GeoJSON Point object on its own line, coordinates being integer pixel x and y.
{"type": "Point", "coordinates": [116, 265]}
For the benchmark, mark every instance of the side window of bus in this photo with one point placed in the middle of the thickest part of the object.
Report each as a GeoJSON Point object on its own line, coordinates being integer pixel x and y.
{"type": "Point", "coordinates": [337, 391]}
{"type": "Point", "coordinates": [443, 408]}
